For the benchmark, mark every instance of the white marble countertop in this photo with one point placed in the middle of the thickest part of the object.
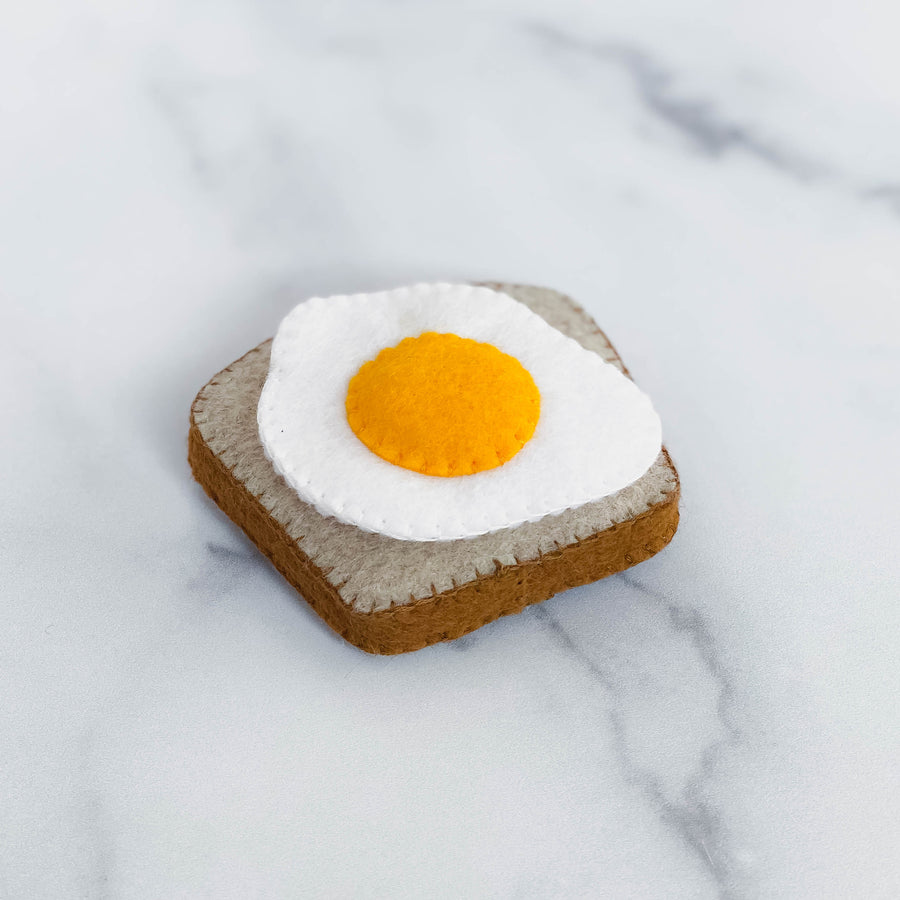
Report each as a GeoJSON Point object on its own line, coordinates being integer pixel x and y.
{"type": "Point", "coordinates": [718, 184]}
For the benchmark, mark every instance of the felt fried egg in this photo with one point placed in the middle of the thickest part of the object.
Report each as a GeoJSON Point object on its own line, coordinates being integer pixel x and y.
{"type": "Point", "coordinates": [443, 411]}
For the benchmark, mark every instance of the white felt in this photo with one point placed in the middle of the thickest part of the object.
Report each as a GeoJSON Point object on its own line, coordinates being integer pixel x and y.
{"type": "Point", "coordinates": [597, 432]}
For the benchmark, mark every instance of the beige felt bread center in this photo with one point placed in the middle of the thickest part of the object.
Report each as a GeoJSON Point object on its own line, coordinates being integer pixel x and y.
{"type": "Point", "coordinates": [392, 596]}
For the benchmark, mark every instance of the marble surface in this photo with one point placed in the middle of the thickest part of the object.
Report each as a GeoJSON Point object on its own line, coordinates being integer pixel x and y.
{"type": "Point", "coordinates": [717, 183]}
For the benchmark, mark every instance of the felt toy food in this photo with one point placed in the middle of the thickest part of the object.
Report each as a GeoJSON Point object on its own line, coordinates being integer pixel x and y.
{"type": "Point", "coordinates": [418, 462]}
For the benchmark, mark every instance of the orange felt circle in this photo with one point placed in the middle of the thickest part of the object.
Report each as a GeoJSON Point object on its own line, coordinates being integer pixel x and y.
{"type": "Point", "coordinates": [443, 405]}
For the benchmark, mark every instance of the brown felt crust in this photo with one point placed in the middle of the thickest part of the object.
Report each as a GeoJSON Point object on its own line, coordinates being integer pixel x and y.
{"type": "Point", "coordinates": [451, 613]}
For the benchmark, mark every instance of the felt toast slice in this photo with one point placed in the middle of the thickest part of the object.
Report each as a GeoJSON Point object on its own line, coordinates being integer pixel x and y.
{"type": "Point", "coordinates": [392, 596]}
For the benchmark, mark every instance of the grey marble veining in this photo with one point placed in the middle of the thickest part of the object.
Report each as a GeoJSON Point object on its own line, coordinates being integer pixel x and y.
{"type": "Point", "coordinates": [703, 126]}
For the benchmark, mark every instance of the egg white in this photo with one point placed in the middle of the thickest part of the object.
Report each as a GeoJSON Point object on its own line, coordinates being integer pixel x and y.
{"type": "Point", "coordinates": [597, 432]}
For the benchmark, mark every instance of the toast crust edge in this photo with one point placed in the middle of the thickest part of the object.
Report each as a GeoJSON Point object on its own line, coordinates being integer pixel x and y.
{"type": "Point", "coordinates": [449, 614]}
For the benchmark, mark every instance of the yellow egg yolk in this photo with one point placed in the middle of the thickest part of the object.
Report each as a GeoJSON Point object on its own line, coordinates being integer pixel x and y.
{"type": "Point", "coordinates": [443, 405]}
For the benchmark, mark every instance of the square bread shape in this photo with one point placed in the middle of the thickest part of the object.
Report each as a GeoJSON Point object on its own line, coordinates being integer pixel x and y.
{"type": "Point", "coordinates": [391, 596]}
